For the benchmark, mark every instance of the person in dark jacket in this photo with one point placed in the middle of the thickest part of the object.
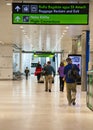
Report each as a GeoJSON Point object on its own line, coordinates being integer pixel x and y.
{"type": "Point", "coordinates": [49, 73]}
{"type": "Point", "coordinates": [70, 83]}
{"type": "Point", "coordinates": [26, 73]}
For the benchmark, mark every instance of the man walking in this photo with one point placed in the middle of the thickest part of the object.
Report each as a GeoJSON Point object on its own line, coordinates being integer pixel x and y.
{"type": "Point", "coordinates": [70, 82]}
{"type": "Point", "coordinates": [26, 73]}
{"type": "Point", "coordinates": [49, 71]}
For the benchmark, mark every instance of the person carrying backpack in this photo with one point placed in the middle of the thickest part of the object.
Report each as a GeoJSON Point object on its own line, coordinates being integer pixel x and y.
{"type": "Point", "coordinates": [71, 71]}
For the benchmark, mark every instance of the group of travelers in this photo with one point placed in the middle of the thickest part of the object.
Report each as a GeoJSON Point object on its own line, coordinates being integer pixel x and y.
{"type": "Point", "coordinates": [65, 73]}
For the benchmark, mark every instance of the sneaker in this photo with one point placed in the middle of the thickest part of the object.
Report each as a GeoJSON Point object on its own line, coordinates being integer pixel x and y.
{"type": "Point", "coordinates": [49, 90]}
{"type": "Point", "coordinates": [46, 90]}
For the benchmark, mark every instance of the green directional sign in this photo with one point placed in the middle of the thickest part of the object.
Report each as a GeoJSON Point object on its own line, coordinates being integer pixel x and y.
{"type": "Point", "coordinates": [50, 14]}
{"type": "Point", "coordinates": [44, 54]}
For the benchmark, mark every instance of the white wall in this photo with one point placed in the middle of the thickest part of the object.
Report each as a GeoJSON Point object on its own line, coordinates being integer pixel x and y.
{"type": "Point", "coordinates": [16, 63]}
{"type": "Point", "coordinates": [6, 57]}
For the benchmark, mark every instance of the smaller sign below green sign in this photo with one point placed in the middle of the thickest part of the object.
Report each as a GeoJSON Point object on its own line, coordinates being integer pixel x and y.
{"type": "Point", "coordinates": [44, 54]}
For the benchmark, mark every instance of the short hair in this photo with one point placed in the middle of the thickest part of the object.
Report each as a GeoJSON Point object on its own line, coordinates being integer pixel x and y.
{"type": "Point", "coordinates": [49, 62]}
{"type": "Point", "coordinates": [68, 59]}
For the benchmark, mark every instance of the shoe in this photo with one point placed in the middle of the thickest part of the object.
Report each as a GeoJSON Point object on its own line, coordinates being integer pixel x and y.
{"type": "Point", "coordinates": [49, 90]}
{"type": "Point", "coordinates": [74, 103]}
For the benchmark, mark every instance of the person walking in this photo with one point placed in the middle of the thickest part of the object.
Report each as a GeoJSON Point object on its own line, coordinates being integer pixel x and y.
{"type": "Point", "coordinates": [61, 76]}
{"type": "Point", "coordinates": [26, 73]}
{"type": "Point", "coordinates": [49, 73]}
{"type": "Point", "coordinates": [70, 82]}
{"type": "Point", "coordinates": [38, 71]}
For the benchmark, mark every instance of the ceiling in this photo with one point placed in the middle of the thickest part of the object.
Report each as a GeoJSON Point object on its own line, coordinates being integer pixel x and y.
{"type": "Point", "coordinates": [36, 37]}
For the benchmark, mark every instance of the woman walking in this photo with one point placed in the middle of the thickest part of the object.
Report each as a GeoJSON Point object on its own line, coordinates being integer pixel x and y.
{"type": "Point", "coordinates": [61, 76]}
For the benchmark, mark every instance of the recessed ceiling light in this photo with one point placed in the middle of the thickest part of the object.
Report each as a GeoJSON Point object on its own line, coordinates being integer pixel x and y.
{"type": "Point", "coordinates": [8, 3]}
{"type": "Point", "coordinates": [67, 27]}
{"type": "Point", "coordinates": [23, 30]}
{"type": "Point", "coordinates": [65, 30]}
{"type": "Point", "coordinates": [1, 42]}
{"type": "Point", "coordinates": [21, 27]}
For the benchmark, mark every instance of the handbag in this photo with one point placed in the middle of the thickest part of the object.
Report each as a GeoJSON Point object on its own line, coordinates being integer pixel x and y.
{"type": "Point", "coordinates": [37, 72]}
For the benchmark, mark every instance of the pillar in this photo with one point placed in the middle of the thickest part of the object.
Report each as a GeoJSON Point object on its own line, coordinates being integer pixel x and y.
{"type": "Point", "coordinates": [20, 62]}
{"type": "Point", "coordinates": [85, 58]}
{"type": "Point", "coordinates": [74, 46]}
{"type": "Point", "coordinates": [91, 34]}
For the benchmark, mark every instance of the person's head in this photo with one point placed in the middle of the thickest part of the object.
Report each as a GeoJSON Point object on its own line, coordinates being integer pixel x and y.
{"type": "Point", "coordinates": [68, 60]}
{"type": "Point", "coordinates": [38, 62]}
{"type": "Point", "coordinates": [61, 64]}
{"type": "Point", "coordinates": [49, 62]}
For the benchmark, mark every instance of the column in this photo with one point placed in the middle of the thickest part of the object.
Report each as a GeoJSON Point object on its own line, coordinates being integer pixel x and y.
{"type": "Point", "coordinates": [85, 58]}
{"type": "Point", "coordinates": [20, 62]}
{"type": "Point", "coordinates": [74, 46]}
{"type": "Point", "coordinates": [6, 61]}
{"type": "Point", "coordinates": [91, 34]}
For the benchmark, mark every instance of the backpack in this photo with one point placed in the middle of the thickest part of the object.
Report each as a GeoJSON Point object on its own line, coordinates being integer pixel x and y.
{"type": "Point", "coordinates": [73, 74]}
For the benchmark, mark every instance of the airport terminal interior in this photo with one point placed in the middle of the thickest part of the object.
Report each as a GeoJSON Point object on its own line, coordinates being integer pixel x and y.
{"type": "Point", "coordinates": [25, 41]}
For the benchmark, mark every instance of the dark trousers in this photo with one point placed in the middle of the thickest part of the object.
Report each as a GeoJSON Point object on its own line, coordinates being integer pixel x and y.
{"type": "Point", "coordinates": [26, 76]}
{"type": "Point", "coordinates": [38, 77]}
{"type": "Point", "coordinates": [61, 84]}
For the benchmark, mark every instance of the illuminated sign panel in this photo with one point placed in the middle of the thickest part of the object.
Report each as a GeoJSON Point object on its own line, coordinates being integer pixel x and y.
{"type": "Point", "coordinates": [44, 54]}
{"type": "Point", "coordinates": [50, 14]}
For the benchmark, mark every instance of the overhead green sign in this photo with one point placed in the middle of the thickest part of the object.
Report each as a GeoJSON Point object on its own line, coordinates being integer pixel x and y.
{"type": "Point", "coordinates": [44, 54]}
{"type": "Point", "coordinates": [50, 14]}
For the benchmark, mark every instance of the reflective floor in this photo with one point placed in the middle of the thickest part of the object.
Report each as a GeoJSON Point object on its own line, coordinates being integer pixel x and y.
{"type": "Point", "coordinates": [24, 105]}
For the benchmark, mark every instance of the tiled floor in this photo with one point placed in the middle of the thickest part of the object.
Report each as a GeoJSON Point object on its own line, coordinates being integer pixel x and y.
{"type": "Point", "coordinates": [24, 105]}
